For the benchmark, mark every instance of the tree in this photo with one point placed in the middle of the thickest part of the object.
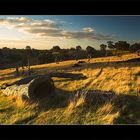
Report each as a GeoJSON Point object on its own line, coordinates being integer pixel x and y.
{"type": "Point", "coordinates": [1, 54]}
{"type": "Point", "coordinates": [78, 48]}
{"type": "Point", "coordinates": [72, 49]}
{"type": "Point", "coordinates": [42, 58]}
{"type": "Point", "coordinates": [135, 48]}
{"type": "Point", "coordinates": [122, 45]}
{"type": "Point", "coordinates": [28, 52]}
{"type": "Point", "coordinates": [90, 51]}
{"type": "Point", "coordinates": [110, 45]}
{"type": "Point", "coordinates": [56, 49]}
{"type": "Point", "coordinates": [50, 57]}
{"type": "Point", "coordinates": [103, 49]}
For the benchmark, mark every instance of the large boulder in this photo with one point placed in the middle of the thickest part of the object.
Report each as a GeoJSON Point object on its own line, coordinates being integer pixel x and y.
{"type": "Point", "coordinates": [33, 87]}
{"type": "Point", "coordinates": [41, 87]}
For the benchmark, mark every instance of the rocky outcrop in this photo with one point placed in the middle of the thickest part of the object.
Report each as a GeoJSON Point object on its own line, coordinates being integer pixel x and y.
{"type": "Point", "coordinates": [32, 87]}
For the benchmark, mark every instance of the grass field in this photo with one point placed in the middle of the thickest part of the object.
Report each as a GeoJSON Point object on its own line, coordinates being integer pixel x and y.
{"type": "Point", "coordinates": [102, 74]}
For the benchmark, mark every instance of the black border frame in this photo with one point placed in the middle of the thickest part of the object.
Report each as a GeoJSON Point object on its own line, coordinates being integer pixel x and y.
{"type": "Point", "coordinates": [69, 7]}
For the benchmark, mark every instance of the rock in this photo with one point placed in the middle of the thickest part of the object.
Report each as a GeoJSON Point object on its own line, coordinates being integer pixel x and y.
{"type": "Point", "coordinates": [16, 90]}
{"type": "Point", "coordinates": [99, 97]}
{"type": "Point", "coordinates": [41, 87]}
{"type": "Point", "coordinates": [94, 97]}
{"type": "Point", "coordinates": [32, 88]}
{"type": "Point", "coordinates": [81, 62]}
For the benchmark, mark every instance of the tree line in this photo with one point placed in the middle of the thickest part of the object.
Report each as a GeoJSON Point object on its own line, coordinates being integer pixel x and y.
{"type": "Point", "coordinates": [30, 56]}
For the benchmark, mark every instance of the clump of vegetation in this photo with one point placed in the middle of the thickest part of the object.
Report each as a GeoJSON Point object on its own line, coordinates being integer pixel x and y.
{"type": "Point", "coordinates": [30, 56]}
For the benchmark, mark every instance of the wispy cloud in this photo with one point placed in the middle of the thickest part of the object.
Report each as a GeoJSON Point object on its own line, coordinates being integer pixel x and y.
{"type": "Point", "coordinates": [51, 28]}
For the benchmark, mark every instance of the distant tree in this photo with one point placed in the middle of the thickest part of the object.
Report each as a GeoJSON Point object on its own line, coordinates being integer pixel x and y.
{"type": "Point", "coordinates": [72, 49]}
{"type": "Point", "coordinates": [110, 45]}
{"type": "Point", "coordinates": [56, 49]}
{"type": "Point", "coordinates": [78, 48]}
{"type": "Point", "coordinates": [5, 48]}
{"type": "Point", "coordinates": [103, 49]}
{"type": "Point", "coordinates": [122, 45]}
{"type": "Point", "coordinates": [28, 48]}
{"type": "Point", "coordinates": [135, 48]}
{"type": "Point", "coordinates": [28, 52]}
{"type": "Point", "coordinates": [1, 54]}
{"type": "Point", "coordinates": [64, 54]}
{"type": "Point", "coordinates": [90, 51]}
{"type": "Point", "coordinates": [50, 57]}
{"type": "Point", "coordinates": [14, 58]}
{"type": "Point", "coordinates": [42, 58]}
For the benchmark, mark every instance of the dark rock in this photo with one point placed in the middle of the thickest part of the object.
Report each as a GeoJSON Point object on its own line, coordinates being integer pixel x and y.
{"type": "Point", "coordinates": [41, 87]}
{"type": "Point", "coordinates": [32, 88]}
{"type": "Point", "coordinates": [79, 62]}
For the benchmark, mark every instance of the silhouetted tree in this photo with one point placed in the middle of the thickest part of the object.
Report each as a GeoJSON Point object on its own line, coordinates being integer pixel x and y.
{"type": "Point", "coordinates": [72, 49]}
{"type": "Point", "coordinates": [1, 54]}
{"type": "Point", "coordinates": [56, 49]}
{"type": "Point", "coordinates": [78, 48]}
{"type": "Point", "coordinates": [135, 48]}
{"type": "Point", "coordinates": [122, 45]}
{"type": "Point", "coordinates": [110, 45]}
{"type": "Point", "coordinates": [28, 52]}
{"type": "Point", "coordinates": [90, 51]}
{"type": "Point", "coordinates": [42, 58]}
{"type": "Point", "coordinates": [103, 49]}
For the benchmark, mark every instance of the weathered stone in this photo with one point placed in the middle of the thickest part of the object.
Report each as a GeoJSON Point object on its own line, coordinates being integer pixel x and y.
{"type": "Point", "coordinates": [81, 62]}
{"type": "Point", "coordinates": [41, 87]}
{"type": "Point", "coordinates": [32, 88]}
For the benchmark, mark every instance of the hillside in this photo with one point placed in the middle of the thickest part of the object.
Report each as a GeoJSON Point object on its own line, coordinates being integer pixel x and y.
{"type": "Point", "coordinates": [114, 74]}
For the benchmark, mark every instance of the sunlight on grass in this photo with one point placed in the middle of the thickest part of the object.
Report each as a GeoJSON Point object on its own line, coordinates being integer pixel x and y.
{"type": "Point", "coordinates": [123, 79]}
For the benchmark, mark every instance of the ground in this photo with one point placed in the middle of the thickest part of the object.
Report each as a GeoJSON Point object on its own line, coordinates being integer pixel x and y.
{"type": "Point", "coordinates": [103, 74]}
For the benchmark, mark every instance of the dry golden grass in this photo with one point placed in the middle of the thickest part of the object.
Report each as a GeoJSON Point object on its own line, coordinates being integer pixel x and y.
{"type": "Point", "coordinates": [121, 78]}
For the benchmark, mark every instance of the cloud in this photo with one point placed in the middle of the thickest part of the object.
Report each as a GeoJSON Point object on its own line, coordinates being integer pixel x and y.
{"type": "Point", "coordinates": [14, 20]}
{"type": "Point", "coordinates": [85, 35]}
{"type": "Point", "coordinates": [51, 28]}
{"type": "Point", "coordinates": [88, 29]}
{"type": "Point", "coordinates": [45, 31]}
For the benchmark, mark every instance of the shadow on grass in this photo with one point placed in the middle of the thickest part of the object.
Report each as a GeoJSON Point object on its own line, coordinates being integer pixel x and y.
{"type": "Point", "coordinates": [129, 106]}
{"type": "Point", "coordinates": [9, 77]}
{"type": "Point", "coordinates": [26, 120]}
{"type": "Point", "coordinates": [117, 64]}
{"type": "Point", "coordinates": [8, 109]}
{"type": "Point", "coordinates": [71, 76]}
{"type": "Point", "coordinates": [60, 100]}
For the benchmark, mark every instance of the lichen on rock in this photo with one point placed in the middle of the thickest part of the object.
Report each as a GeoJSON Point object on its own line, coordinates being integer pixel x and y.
{"type": "Point", "coordinates": [33, 88]}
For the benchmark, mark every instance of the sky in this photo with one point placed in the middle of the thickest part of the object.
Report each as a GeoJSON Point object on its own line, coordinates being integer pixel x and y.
{"type": "Point", "coordinates": [66, 31]}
